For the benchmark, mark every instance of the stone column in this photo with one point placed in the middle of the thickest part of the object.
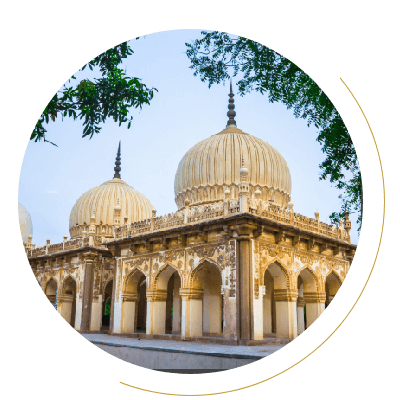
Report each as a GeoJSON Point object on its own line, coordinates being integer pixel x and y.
{"type": "Point", "coordinates": [176, 306]}
{"type": "Point", "coordinates": [156, 312]}
{"type": "Point", "coordinates": [87, 295]}
{"type": "Point", "coordinates": [129, 310]}
{"type": "Point", "coordinates": [300, 315]}
{"type": "Point", "coordinates": [258, 312]}
{"type": "Point", "coordinates": [244, 314]}
{"type": "Point", "coordinates": [64, 306]}
{"type": "Point", "coordinates": [229, 300]}
{"type": "Point", "coordinates": [192, 312]}
{"type": "Point", "coordinates": [315, 305]}
{"type": "Point", "coordinates": [96, 314]}
{"type": "Point", "coordinates": [286, 313]}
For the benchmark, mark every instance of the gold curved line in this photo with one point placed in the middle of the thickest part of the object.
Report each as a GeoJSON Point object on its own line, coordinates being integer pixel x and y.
{"type": "Point", "coordinates": [287, 369]}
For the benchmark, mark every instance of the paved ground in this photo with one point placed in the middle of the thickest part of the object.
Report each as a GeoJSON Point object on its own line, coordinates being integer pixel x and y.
{"type": "Point", "coordinates": [218, 350]}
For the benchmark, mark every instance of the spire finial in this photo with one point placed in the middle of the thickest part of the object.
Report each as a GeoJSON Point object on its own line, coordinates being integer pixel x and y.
{"type": "Point", "coordinates": [231, 106]}
{"type": "Point", "coordinates": [117, 168]}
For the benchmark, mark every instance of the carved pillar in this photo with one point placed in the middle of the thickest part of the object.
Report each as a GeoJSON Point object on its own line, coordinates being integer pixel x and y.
{"type": "Point", "coordinates": [192, 312]}
{"type": "Point", "coordinates": [129, 312]}
{"type": "Point", "coordinates": [244, 307]}
{"type": "Point", "coordinates": [87, 295]}
{"type": "Point", "coordinates": [156, 312]}
{"type": "Point", "coordinates": [300, 315]}
{"type": "Point", "coordinates": [64, 306]}
{"type": "Point", "coordinates": [176, 306]}
{"type": "Point", "coordinates": [315, 305]}
{"type": "Point", "coordinates": [286, 313]}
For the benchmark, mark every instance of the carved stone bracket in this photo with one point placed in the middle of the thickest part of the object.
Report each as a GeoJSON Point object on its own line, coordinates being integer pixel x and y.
{"type": "Point", "coordinates": [227, 230]}
{"type": "Point", "coordinates": [203, 235]}
{"type": "Point", "coordinates": [148, 245]}
{"type": "Point", "coordinates": [310, 244]}
{"type": "Point", "coordinates": [296, 240]}
{"type": "Point", "coordinates": [182, 239]}
{"type": "Point", "coordinates": [280, 237]}
{"type": "Point", "coordinates": [322, 247]}
{"type": "Point", "coordinates": [258, 232]}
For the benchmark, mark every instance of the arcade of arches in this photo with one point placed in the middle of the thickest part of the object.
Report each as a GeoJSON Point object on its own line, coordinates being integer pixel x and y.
{"type": "Point", "coordinates": [234, 287]}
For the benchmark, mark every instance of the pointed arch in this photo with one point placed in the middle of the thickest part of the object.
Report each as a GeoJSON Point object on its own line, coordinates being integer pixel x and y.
{"type": "Point", "coordinates": [279, 272]}
{"type": "Point", "coordinates": [51, 287]}
{"type": "Point", "coordinates": [332, 283]}
{"type": "Point", "coordinates": [203, 262]}
{"type": "Point", "coordinates": [310, 280]}
{"type": "Point", "coordinates": [132, 279]}
{"type": "Point", "coordinates": [105, 284]}
{"type": "Point", "coordinates": [164, 274]}
{"type": "Point", "coordinates": [68, 284]}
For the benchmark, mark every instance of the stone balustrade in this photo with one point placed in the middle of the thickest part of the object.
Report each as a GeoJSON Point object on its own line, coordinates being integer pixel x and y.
{"type": "Point", "coordinates": [192, 215]}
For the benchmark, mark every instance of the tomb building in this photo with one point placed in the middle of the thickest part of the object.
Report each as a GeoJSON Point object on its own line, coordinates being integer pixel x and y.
{"type": "Point", "coordinates": [234, 264]}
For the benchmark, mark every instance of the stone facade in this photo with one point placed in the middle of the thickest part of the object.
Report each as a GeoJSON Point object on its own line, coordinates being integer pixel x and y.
{"type": "Point", "coordinates": [232, 265]}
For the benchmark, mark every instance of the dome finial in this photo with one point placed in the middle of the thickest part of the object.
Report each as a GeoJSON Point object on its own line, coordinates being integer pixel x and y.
{"type": "Point", "coordinates": [231, 106]}
{"type": "Point", "coordinates": [117, 168]}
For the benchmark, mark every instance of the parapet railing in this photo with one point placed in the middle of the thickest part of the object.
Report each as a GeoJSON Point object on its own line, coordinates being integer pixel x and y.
{"type": "Point", "coordinates": [192, 215]}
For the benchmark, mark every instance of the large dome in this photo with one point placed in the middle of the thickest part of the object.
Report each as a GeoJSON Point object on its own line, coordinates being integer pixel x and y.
{"type": "Point", "coordinates": [25, 223]}
{"type": "Point", "coordinates": [102, 200]}
{"type": "Point", "coordinates": [212, 166]}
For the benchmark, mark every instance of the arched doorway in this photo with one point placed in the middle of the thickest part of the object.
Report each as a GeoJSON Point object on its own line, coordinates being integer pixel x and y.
{"type": "Point", "coordinates": [332, 285]}
{"type": "Point", "coordinates": [279, 304]}
{"type": "Point", "coordinates": [106, 309]}
{"type": "Point", "coordinates": [142, 306]}
{"type": "Point", "coordinates": [312, 298]}
{"type": "Point", "coordinates": [134, 303]}
{"type": "Point", "coordinates": [165, 303]}
{"type": "Point", "coordinates": [173, 305]}
{"type": "Point", "coordinates": [66, 303]}
{"type": "Point", "coordinates": [301, 307]}
{"type": "Point", "coordinates": [207, 279]}
{"type": "Point", "coordinates": [51, 292]}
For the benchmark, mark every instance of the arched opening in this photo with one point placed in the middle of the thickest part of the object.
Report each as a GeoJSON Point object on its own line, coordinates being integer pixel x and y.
{"type": "Point", "coordinates": [311, 296]}
{"type": "Point", "coordinates": [142, 306]}
{"type": "Point", "coordinates": [51, 292]}
{"type": "Point", "coordinates": [66, 303]}
{"type": "Point", "coordinates": [134, 304]}
{"type": "Point", "coordinates": [332, 285]}
{"type": "Point", "coordinates": [301, 307]}
{"type": "Point", "coordinates": [106, 310]}
{"type": "Point", "coordinates": [207, 279]}
{"type": "Point", "coordinates": [167, 311]}
{"type": "Point", "coordinates": [173, 305]}
{"type": "Point", "coordinates": [274, 280]}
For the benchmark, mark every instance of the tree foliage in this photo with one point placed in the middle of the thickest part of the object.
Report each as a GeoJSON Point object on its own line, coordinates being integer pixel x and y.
{"type": "Point", "coordinates": [217, 55]}
{"type": "Point", "coordinates": [112, 95]}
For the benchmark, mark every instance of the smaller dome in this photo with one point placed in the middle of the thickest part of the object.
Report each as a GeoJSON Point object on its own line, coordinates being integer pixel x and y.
{"type": "Point", "coordinates": [25, 223]}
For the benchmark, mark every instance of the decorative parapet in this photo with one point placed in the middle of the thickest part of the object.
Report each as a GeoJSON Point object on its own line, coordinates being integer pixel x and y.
{"type": "Point", "coordinates": [208, 211]}
{"type": "Point", "coordinates": [194, 214]}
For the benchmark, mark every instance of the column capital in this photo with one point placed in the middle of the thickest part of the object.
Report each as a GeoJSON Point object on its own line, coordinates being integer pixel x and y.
{"type": "Point", "coordinates": [289, 295]}
{"type": "Point", "coordinates": [156, 295]}
{"type": "Point", "coordinates": [88, 256]}
{"type": "Point", "coordinates": [190, 293]}
{"type": "Point", "coordinates": [314, 297]}
{"type": "Point", "coordinates": [130, 297]}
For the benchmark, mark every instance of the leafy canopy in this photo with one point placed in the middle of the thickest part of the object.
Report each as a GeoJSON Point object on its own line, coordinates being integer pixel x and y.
{"type": "Point", "coordinates": [112, 95]}
{"type": "Point", "coordinates": [266, 71]}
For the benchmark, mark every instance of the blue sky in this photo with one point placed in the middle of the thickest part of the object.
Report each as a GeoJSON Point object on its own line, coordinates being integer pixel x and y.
{"type": "Point", "coordinates": [183, 112]}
